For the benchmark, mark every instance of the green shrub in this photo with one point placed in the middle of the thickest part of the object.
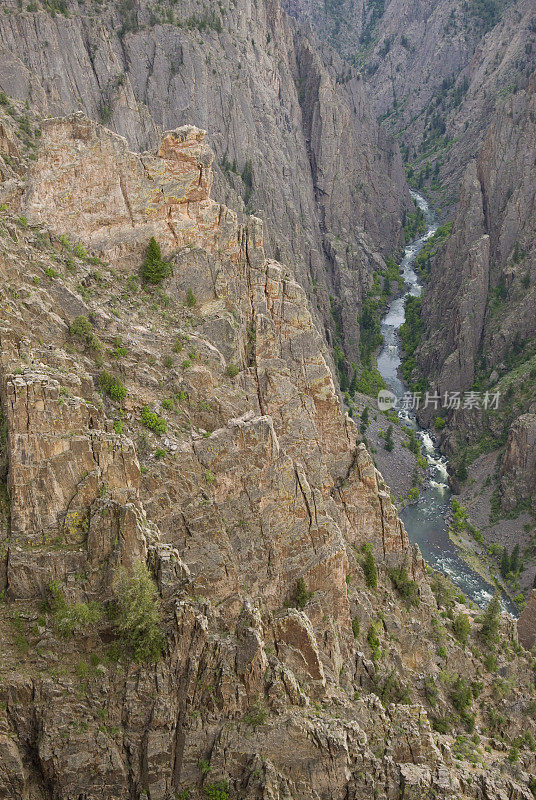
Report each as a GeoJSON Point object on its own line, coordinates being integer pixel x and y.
{"type": "Point", "coordinates": [369, 567]}
{"type": "Point", "coordinates": [152, 421]}
{"type": "Point", "coordinates": [160, 453]}
{"type": "Point", "coordinates": [168, 362]}
{"type": "Point", "coordinates": [302, 595]}
{"type": "Point", "coordinates": [461, 627]}
{"type": "Point", "coordinates": [191, 299]}
{"type": "Point", "coordinates": [136, 614]}
{"type": "Point", "coordinates": [167, 403]}
{"type": "Point", "coordinates": [430, 690]}
{"type": "Point", "coordinates": [112, 387]}
{"type": "Point", "coordinates": [491, 621]}
{"type": "Point", "coordinates": [118, 426]}
{"type": "Point", "coordinates": [374, 642]}
{"type": "Point", "coordinates": [82, 330]}
{"type": "Point", "coordinates": [257, 715]}
{"type": "Point", "coordinates": [154, 268]}
{"type": "Point", "coordinates": [232, 370]}
{"type": "Point", "coordinates": [406, 588]}
{"type": "Point", "coordinates": [439, 423]}
{"type": "Point", "coordinates": [219, 790]}
{"type": "Point", "coordinates": [71, 619]}
{"type": "Point", "coordinates": [388, 441]}
{"type": "Point", "coordinates": [356, 627]}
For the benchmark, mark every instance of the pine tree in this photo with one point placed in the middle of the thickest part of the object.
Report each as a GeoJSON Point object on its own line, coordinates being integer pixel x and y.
{"type": "Point", "coordinates": [505, 563]}
{"type": "Point", "coordinates": [369, 568]}
{"type": "Point", "coordinates": [154, 269]}
{"type": "Point", "coordinates": [490, 621]}
{"type": "Point", "coordinates": [514, 560]}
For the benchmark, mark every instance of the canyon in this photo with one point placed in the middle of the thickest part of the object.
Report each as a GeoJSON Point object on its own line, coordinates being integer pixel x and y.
{"type": "Point", "coordinates": [206, 589]}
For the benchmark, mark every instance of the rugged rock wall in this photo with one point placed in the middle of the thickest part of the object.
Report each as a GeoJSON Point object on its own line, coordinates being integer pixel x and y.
{"type": "Point", "coordinates": [294, 136]}
{"type": "Point", "coordinates": [435, 72]}
{"type": "Point", "coordinates": [247, 480]}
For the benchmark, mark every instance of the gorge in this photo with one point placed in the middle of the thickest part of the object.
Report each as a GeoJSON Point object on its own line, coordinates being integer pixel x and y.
{"type": "Point", "coordinates": [224, 571]}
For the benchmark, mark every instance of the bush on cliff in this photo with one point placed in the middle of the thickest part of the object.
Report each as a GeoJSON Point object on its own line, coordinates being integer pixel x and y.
{"type": "Point", "coordinates": [154, 268]}
{"type": "Point", "coordinates": [369, 567]}
{"type": "Point", "coordinates": [137, 615]}
{"type": "Point", "coordinates": [112, 387]}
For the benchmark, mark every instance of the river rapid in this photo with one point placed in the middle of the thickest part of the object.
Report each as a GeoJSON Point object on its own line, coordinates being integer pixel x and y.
{"type": "Point", "coordinates": [426, 519]}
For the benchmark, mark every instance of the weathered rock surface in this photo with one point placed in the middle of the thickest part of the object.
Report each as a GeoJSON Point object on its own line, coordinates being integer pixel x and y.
{"type": "Point", "coordinates": [294, 136]}
{"type": "Point", "coordinates": [247, 496]}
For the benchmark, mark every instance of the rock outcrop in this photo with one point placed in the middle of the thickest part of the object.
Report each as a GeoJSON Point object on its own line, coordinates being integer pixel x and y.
{"type": "Point", "coordinates": [294, 136]}
{"type": "Point", "coordinates": [194, 425]}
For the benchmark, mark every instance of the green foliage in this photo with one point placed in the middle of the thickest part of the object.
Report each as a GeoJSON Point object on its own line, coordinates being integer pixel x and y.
{"type": "Point", "coordinates": [364, 421]}
{"type": "Point", "coordinates": [424, 260]}
{"type": "Point", "coordinates": [191, 299]}
{"type": "Point", "coordinates": [415, 225]}
{"type": "Point", "coordinates": [154, 269]}
{"type": "Point", "coordinates": [431, 691]}
{"type": "Point", "coordinates": [232, 370]}
{"type": "Point", "coordinates": [413, 494]}
{"type": "Point", "coordinates": [152, 421]}
{"type": "Point", "coordinates": [82, 330]}
{"type": "Point", "coordinates": [461, 696]}
{"type": "Point", "coordinates": [407, 588]}
{"type": "Point", "coordinates": [439, 423]}
{"type": "Point", "coordinates": [369, 382]}
{"type": "Point", "coordinates": [302, 595]}
{"type": "Point", "coordinates": [391, 690]}
{"type": "Point", "coordinates": [219, 790]}
{"type": "Point", "coordinates": [112, 387]}
{"type": "Point", "coordinates": [411, 332]}
{"type": "Point", "coordinates": [461, 627]}
{"type": "Point", "coordinates": [71, 619]}
{"type": "Point", "coordinates": [136, 614]}
{"type": "Point", "coordinates": [257, 715]}
{"type": "Point", "coordinates": [356, 627]}
{"type": "Point", "coordinates": [369, 567]}
{"type": "Point", "coordinates": [374, 642]}
{"type": "Point", "coordinates": [369, 324]}
{"type": "Point", "coordinates": [491, 621]}
{"type": "Point", "coordinates": [388, 440]}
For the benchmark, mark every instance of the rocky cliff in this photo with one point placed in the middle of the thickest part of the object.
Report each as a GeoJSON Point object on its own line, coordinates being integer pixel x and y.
{"type": "Point", "coordinates": [293, 644]}
{"type": "Point", "coordinates": [294, 137]}
{"type": "Point", "coordinates": [435, 72]}
{"type": "Point", "coordinates": [481, 293]}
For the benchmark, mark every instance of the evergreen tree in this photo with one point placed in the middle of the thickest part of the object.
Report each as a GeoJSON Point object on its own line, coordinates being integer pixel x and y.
{"type": "Point", "coordinates": [514, 559]}
{"type": "Point", "coordinates": [154, 268]}
{"type": "Point", "coordinates": [364, 421]}
{"type": "Point", "coordinates": [505, 563]}
{"type": "Point", "coordinates": [388, 441]}
{"type": "Point", "coordinates": [490, 620]}
{"type": "Point", "coordinates": [369, 568]}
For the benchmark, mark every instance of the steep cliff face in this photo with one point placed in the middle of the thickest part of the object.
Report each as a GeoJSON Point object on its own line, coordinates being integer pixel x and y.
{"type": "Point", "coordinates": [193, 425]}
{"type": "Point", "coordinates": [294, 138]}
{"type": "Point", "coordinates": [435, 72]}
{"type": "Point", "coordinates": [479, 319]}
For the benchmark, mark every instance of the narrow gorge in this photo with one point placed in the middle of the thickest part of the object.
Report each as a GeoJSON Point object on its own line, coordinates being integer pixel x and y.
{"type": "Point", "coordinates": [224, 574]}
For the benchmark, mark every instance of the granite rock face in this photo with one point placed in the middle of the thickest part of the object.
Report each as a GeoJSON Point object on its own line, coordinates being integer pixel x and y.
{"type": "Point", "coordinates": [244, 492]}
{"type": "Point", "coordinates": [435, 72]}
{"type": "Point", "coordinates": [294, 135]}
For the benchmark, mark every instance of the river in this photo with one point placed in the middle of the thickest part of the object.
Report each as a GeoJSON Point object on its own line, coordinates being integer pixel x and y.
{"type": "Point", "coordinates": [425, 519]}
